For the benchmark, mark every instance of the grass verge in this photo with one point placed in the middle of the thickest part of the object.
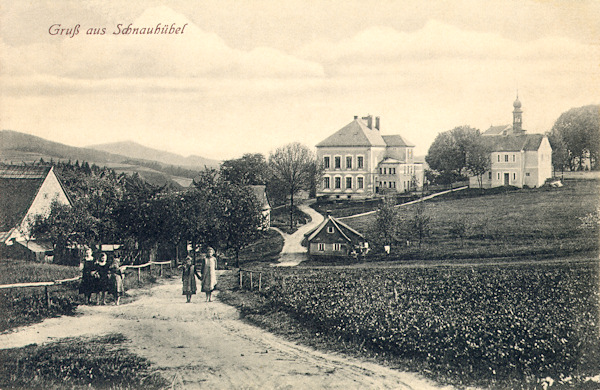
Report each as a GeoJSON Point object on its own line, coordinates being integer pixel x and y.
{"type": "Point", "coordinates": [77, 363]}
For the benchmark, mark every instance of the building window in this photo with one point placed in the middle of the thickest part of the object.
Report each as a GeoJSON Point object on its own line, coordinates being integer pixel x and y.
{"type": "Point", "coordinates": [338, 182]}
{"type": "Point", "coordinates": [506, 158]}
{"type": "Point", "coordinates": [527, 174]}
{"type": "Point", "coordinates": [490, 175]}
{"type": "Point", "coordinates": [514, 158]}
{"type": "Point", "coordinates": [360, 162]}
{"type": "Point", "coordinates": [498, 158]}
{"type": "Point", "coordinates": [514, 176]}
{"type": "Point", "coordinates": [349, 162]}
{"type": "Point", "coordinates": [321, 247]}
{"type": "Point", "coordinates": [326, 182]}
{"type": "Point", "coordinates": [326, 162]}
{"type": "Point", "coordinates": [380, 170]}
{"type": "Point", "coordinates": [337, 247]}
{"type": "Point", "coordinates": [329, 229]}
{"type": "Point", "coordinates": [385, 171]}
{"type": "Point", "coordinates": [498, 175]}
{"type": "Point", "coordinates": [360, 183]}
{"type": "Point", "coordinates": [338, 162]}
{"type": "Point", "coordinates": [348, 182]}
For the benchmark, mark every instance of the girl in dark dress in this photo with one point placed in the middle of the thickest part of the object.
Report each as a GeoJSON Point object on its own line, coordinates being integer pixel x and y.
{"type": "Point", "coordinates": [87, 266]}
{"type": "Point", "coordinates": [189, 278]}
{"type": "Point", "coordinates": [102, 280]}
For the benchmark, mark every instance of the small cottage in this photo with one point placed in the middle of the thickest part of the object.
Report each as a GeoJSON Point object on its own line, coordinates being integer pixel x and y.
{"type": "Point", "coordinates": [25, 192]}
{"type": "Point", "coordinates": [333, 238]}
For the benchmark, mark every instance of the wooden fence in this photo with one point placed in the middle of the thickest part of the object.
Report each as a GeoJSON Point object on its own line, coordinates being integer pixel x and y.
{"type": "Point", "coordinates": [64, 281]}
{"type": "Point", "coordinates": [250, 277]}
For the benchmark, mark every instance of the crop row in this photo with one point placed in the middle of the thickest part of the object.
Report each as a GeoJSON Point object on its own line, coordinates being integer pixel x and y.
{"type": "Point", "coordinates": [498, 326]}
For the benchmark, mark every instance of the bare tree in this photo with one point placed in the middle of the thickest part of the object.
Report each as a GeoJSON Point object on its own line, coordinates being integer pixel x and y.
{"type": "Point", "coordinates": [293, 166]}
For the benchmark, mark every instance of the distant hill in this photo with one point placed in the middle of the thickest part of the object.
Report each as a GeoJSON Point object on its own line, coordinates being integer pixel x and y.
{"type": "Point", "coordinates": [134, 150]}
{"type": "Point", "coordinates": [17, 148]}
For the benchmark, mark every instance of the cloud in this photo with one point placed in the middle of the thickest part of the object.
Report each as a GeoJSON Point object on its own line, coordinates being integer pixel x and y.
{"type": "Point", "coordinates": [438, 41]}
{"type": "Point", "coordinates": [195, 53]}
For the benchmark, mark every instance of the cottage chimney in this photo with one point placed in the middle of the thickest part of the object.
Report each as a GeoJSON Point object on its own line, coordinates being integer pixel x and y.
{"type": "Point", "coordinates": [369, 120]}
{"type": "Point", "coordinates": [328, 212]}
{"type": "Point", "coordinates": [377, 122]}
{"type": "Point", "coordinates": [355, 117]}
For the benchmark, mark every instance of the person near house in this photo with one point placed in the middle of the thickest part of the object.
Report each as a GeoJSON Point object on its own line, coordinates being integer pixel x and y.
{"type": "Point", "coordinates": [188, 278]}
{"type": "Point", "coordinates": [209, 273]}
{"type": "Point", "coordinates": [102, 279]}
{"type": "Point", "coordinates": [88, 282]}
{"type": "Point", "coordinates": [116, 278]}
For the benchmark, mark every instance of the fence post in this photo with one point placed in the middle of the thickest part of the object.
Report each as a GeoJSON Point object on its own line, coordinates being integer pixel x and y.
{"type": "Point", "coordinates": [150, 269]}
{"type": "Point", "coordinates": [139, 275]}
{"type": "Point", "coordinates": [250, 280]}
{"type": "Point", "coordinates": [259, 280]}
{"type": "Point", "coordinates": [47, 297]}
{"type": "Point", "coordinates": [240, 279]}
{"type": "Point", "coordinates": [160, 271]}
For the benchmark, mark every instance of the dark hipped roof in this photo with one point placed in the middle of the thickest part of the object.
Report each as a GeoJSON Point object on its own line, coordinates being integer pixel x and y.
{"type": "Point", "coordinates": [355, 133]}
{"type": "Point", "coordinates": [396, 140]}
{"type": "Point", "coordinates": [497, 130]}
{"type": "Point", "coordinates": [19, 186]}
{"type": "Point", "coordinates": [344, 229]}
{"type": "Point", "coordinates": [514, 143]}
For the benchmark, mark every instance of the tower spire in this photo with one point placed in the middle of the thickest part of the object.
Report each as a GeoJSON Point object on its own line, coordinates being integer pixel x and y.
{"type": "Point", "coordinates": [517, 116]}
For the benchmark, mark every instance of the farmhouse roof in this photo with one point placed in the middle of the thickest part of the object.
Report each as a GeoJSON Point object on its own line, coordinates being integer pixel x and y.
{"type": "Point", "coordinates": [355, 133]}
{"type": "Point", "coordinates": [346, 231]}
{"type": "Point", "coordinates": [19, 186]}
{"type": "Point", "coordinates": [396, 140]}
{"type": "Point", "coordinates": [514, 143]}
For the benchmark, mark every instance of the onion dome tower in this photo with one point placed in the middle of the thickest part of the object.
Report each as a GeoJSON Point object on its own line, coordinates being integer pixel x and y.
{"type": "Point", "coordinates": [517, 116]}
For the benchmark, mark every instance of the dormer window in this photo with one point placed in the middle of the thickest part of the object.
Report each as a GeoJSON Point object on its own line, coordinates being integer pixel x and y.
{"type": "Point", "coordinates": [329, 229]}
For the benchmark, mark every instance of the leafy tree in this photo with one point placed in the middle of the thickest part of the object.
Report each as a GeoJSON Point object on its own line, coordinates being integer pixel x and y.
{"type": "Point", "coordinates": [250, 169]}
{"type": "Point", "coordinates": [478, 160]}
{"type": "Point", "coordinates": [420, 224]}
{"type": "Point", "coordinates": [560, 153]}
{"type": "Point", "coordinates": [449, 151]}
{"type": "Point", "coordinates": [388, 223]}
{"type": "Point", "coordinates": [293, 167]}
{"type": "Point", "coordinates": [579, 130]}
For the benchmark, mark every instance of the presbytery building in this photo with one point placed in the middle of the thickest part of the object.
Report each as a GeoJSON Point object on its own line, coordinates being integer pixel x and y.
{"type": "Point", "coordinates": [517, 158]}
{"type": "Point", "coordinates": [360, 162]}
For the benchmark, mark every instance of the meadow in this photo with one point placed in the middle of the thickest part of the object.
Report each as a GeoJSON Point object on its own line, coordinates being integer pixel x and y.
{"type": "Point", "coordinates": [534, 223]}
{"type": "Point", "coordinates": [496, 326]}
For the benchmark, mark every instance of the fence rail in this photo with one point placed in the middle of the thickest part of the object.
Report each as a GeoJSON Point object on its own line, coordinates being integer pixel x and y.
{"type": "Point", "coordinates": [75, 279]}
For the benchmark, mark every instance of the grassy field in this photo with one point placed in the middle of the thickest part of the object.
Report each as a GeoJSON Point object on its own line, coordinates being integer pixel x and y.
{"type": "Point", "coordinates": [496, 326]}
{"type": "Point", "coordinates": [78, 363]}
{"type": "Point", "coordinates": [535, 223]}
{"type": "Point", "coordinates": [21, 306]}
{"type": "Point", "coordinates": [280, 218]}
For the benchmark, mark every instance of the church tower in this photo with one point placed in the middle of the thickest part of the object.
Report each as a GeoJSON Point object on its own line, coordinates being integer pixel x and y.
{"type": "Point", "coordinates": [517, 117]}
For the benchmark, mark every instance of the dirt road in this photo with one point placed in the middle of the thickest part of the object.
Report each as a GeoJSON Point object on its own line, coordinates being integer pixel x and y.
{"type": "Point", "coordinates": [293, 253]}
{"type": "Point", "coordinates": [206, 345]}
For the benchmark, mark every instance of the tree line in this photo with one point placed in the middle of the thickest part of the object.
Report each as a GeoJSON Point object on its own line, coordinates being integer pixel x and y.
{"type": "Point", "coordinates": [219, 210]}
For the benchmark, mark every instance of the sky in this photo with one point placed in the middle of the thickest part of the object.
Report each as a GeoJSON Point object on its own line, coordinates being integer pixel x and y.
{"type": "Point", "coordinates": [251, 76]}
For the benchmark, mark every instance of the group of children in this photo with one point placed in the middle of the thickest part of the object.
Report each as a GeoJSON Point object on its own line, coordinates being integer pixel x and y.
{"type": "Point", "coordinates": [208, 275]}
{"type": "Point", "coordinates": [100, 278]}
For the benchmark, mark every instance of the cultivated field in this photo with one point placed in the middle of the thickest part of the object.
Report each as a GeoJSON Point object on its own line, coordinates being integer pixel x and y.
{"type": "Point", "coordinates": [497, 326]}
{"type": "Point", "coordinates": [535, 223]}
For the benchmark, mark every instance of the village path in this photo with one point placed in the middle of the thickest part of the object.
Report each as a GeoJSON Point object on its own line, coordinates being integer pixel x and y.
{"type": "Point", "coordinates": [293, 253]}
{"type": "Point", "coordinates": [206, 345]}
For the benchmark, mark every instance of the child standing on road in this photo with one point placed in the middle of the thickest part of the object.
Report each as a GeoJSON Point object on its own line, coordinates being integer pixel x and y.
{"type": "Point", "coordinates": [189, 278]}
{"type": "Point", "coordinates": [116, 278]}
{"type": "Point", "coordinates": [209, 273]}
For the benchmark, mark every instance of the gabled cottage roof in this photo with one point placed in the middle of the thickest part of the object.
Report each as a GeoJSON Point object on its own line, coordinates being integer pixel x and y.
{"type": "Point", "coordinates": [355, 133]}
{"type": "Point", "coordinates": [346, 231]}
{"type": "Point", "coordinates": [19, 186]}
{"type": "Point", "coordinates": [514, 143]}
{"type": "Point", "coordinates": [396, 140]}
